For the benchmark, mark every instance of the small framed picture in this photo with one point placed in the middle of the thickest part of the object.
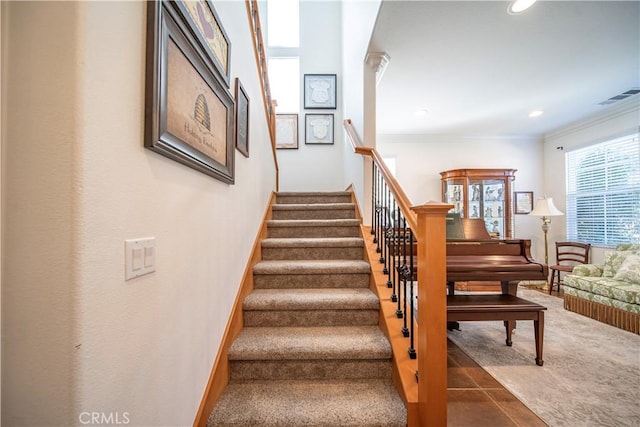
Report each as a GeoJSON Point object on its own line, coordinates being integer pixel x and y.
{"type": "Point", "coordinates": [320, 91]}
{"type": "Point", "coordinates": [523, 202]}
{"type": "Point", "coordinates": [318, 129]}
{"type": "Point", "coordinates": [242, 119]}
{"type": "Point", "coordinates": [286, 131]}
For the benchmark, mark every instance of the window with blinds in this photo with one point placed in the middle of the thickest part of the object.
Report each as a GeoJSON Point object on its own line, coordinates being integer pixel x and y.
{"type": "Point", "coordinates": [603, 192]}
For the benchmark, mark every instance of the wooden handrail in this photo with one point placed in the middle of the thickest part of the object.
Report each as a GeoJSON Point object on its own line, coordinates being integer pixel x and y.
{"type": "Point", "coordinates": [398, 193]}
{"type": "Point", "coordinates": [261, 61]}
{"type": "Point", "coordinates": [428, 224]}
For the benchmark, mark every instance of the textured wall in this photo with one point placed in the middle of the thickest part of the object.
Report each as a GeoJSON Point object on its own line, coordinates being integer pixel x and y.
{"type": "Point", "coordinates": [77, 337]}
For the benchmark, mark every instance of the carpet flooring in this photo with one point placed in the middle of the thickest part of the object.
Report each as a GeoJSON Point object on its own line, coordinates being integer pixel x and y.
{"type": "Point", "coordinates": [591, 372]}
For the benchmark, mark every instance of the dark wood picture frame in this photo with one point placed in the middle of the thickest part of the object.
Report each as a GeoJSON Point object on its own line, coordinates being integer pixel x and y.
{"type": "Point", "coordinates": [242, 119]}
{"type": "Point", "coordinates": [318, 129]}
{"type": "Point", "coordinates": [204, 24]}
{"type": "Point", "coordinates": [189, 113]}
{"type": "Point", "coordinates": [523, 202]}
{"type": "Point", "coordinates": [320, 91]}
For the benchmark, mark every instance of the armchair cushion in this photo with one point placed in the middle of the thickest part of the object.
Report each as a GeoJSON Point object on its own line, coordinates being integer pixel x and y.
{"type": "Point", "coordinates": [591, 270]}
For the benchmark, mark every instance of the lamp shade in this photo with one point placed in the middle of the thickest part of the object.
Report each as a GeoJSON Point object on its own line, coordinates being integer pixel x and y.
{"type": "Point", "coordinates": [545, 207]}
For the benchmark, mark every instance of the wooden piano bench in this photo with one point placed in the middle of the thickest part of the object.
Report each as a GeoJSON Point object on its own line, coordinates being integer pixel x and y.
{"type": "Point", "coordinates": [508, 308]}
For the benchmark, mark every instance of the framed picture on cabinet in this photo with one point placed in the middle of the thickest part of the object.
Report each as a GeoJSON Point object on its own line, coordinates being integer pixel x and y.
{"type": "Point", "coordinates": [286, 131]}
{"type": "Point", "coordinates": [320, 91]}
{"type": "Point", "coordinates": [523, 202]}
{"type": "Point", "coordinates": [318, 129]}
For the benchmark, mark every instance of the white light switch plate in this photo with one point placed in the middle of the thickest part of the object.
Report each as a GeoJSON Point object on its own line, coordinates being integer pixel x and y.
{"type": "Point", "coordinates": [139, 257]}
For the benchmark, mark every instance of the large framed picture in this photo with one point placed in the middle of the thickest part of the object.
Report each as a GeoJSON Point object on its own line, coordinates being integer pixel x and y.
{"type": "Point", "coordinates": [242, 119]}
{"type": "Point", "coordinates": [189, 113]}
{"type": "Point", "coordinates": [523, 202]}
{"type": "Point", "coordinates": [320, 91]}
{"type": "Point", "coordinates": [286, 131]}
{"type": "Point", "coordinates": [318, 129]}
{"type": "Point", "coordinates": [204, 24]}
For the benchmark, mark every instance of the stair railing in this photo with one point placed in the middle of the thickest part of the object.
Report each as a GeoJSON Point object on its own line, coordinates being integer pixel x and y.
{"type": "Point", "coordinates": [261, 61]}
{"type": "Point", "coordinates": [411, 241]}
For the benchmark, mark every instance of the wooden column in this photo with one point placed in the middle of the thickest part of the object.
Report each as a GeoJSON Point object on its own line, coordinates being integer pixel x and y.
{"type": "Point", "coordinates": [432, 313]}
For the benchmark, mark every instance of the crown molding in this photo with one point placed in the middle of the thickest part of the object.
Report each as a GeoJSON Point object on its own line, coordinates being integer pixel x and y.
{"type": "Point", "coordinates": [620, 109]}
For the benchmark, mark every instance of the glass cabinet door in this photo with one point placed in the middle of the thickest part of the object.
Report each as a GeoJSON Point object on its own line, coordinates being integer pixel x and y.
{"type": "Point", "coordinates": [454, 194]}
{"type": "Point", "coordinates": [493, 208]}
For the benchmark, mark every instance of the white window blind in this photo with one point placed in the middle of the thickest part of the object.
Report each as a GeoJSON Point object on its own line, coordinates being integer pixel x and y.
{"type": "Point", "coordinates": [603, 192]}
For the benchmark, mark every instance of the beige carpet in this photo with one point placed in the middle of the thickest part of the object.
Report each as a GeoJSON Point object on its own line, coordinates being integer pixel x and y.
{"type": "Point", "coordinates": [591, 372]}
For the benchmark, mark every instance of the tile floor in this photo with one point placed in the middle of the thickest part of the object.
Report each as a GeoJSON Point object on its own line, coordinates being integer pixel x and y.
{"type": "Point", "coordinates": [476, 399]}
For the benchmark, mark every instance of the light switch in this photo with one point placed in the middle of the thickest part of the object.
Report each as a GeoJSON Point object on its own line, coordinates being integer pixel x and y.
{"type": "Point", "coordinates": [139, 257]}
{"type": "Point", "coordinates": [149, 256]}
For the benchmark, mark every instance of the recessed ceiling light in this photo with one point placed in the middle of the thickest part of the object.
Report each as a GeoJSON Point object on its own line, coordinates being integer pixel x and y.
{"type": "Point", "coordinates": [518, 6]}
{"type": "Point", "coordinates": [421, 113]}
{"type": "Point", "coordinates": [536, 113]}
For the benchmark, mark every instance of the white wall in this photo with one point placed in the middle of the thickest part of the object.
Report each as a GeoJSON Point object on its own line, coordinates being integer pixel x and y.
{"type": "Point", "coordinates": [317, 167]}
{"type": "Point", "coordinates": [617, 120]}
{"type": "Point", "coordinates": [421, 158]}
{"type": "Point", "coordinates": [77, 182]}
{"type": "Point", "coordinates": [358, 19]}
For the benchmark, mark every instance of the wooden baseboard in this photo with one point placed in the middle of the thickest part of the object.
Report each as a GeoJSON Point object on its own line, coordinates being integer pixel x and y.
{"type": "Point", "coordinates": [603, 313]}
{"type": "Point", "coordinates": [403, 367]}
{"type": "Point", "coordinates": [219, 378]}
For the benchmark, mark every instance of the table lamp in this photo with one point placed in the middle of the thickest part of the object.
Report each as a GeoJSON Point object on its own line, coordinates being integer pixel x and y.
{"type": "Point", "coordinates": [545, 209]}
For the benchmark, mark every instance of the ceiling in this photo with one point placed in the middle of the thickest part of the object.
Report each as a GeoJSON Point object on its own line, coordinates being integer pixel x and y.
{"type": "Point", "coordinates": [479, 71]}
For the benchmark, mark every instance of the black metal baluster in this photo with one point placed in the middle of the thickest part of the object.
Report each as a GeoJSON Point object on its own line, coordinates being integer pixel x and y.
{"type": "Point", "coordinates": [374, 170]}
{"type": "Point", "coordinates": [412, 305]}
{"type": "Point", "coordinates": [406, 275]}
{"type": "Point", "coordinates": [401, 268]}
{"type": "Point", "coordinates": [393, 247]}
{"type": "Point", "coordinates": [396, 256]}
{"type": "Point", "coordinates": [384, 225]}
{"type": "Point", "coordinates": [375, 204]}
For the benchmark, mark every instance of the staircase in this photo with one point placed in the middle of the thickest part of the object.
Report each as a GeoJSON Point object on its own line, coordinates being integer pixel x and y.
{"type": "Point", "coordinates": [311, 352]}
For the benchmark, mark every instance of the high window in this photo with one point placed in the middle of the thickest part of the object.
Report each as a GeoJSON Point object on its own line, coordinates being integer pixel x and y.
{"type": "Point", "coordinates": [283, 42]}
{"type": "Point", "coordinates": [603, 192]}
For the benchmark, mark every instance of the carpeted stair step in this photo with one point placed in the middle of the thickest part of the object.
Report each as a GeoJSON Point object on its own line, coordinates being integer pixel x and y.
{"type": "Point", "coordinates": [311, 274]}
{"type": "Point", "coordinates": [313, 248]}
{"type": "Point", "coordinates": [311, 307]}
{"type": "Point", "coordinates": [310, 353]}
{"type": "Point", "coordinates": [330, 403]}
{"type": "Point", "coordinates": [313, 197]}
{"type": "Point", "coordinates": [314, 211]}
{"type": "Point", "coordinates": [313, 228]}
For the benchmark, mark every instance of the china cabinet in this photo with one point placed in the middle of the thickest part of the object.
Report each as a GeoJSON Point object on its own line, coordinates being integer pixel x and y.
{"type": "Point", "coordinates": [482, 193]}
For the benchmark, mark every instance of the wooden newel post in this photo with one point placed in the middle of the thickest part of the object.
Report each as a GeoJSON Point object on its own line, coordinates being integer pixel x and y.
{"type": "Point", "coordinates": [432, 313]}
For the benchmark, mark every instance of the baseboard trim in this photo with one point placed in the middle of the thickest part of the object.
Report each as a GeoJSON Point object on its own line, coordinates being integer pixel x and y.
{"type": "Point", "coordinates": [403, 367]}
{"type": "Point", "coordinates": [219, 377]}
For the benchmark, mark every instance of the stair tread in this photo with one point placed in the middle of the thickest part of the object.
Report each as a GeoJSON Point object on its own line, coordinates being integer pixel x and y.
{"type": "Point", "coordinates": [312, 299]}
{"type": "Point", "coordinates": [361, 403]}
{"type": "Point", "coordinates": [311, 267]}
{"type": "Point", "coordinates": [310, 343]}
{"type": "Point", "coordinates": [313, 222]}
{"type": "Point", "coordinates": [312, 242]}
{"type": "Point", "coordinates": [313, 193]}
{"type": "Point", "coordinates": [311, 206]}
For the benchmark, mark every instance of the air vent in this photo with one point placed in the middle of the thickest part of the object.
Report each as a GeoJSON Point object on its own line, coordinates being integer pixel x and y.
{"type": "Point", "coordinates": [620, 97]}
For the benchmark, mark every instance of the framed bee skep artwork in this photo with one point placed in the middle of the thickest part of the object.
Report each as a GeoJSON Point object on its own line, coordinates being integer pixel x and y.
{"type": "Point", "coordinates": [189, 113]}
